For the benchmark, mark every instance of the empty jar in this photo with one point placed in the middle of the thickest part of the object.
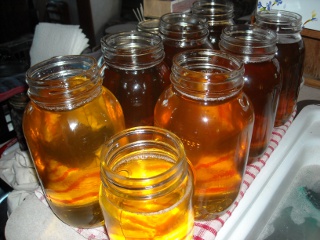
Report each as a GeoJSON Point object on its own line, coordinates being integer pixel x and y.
{"type": "Point", "coordinates": [135, 72]}
{"type": "Point", "coordinates": [206, 107]}
{"type": "Point", "coordinates": [290, 54]}
{"type": "Point", "coordinates": [219, 14]}
{"type": "Point", "coordinates": [147, 186]}
{"type": "Point", "coordinates": [183, 31]}
{"type": "Point", "coordinates": [256, 47]}
{"type": "Point", "coordinates": [68, 118]}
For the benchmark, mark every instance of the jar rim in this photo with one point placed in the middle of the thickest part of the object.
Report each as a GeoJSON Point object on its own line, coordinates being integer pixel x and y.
{"type": "Point", "coordinates": [132, 50]}
{"type": "Point", "coordinates": [111, 144]}
{"type": "Point", "coordinates": [184, 26]}
{"type": "Point", "coordinates": [280, 21]}
{"type": "Point", "coordinates": [52, 84]}
{"type": "Point", "coordinates": [214, 11]}
{"type": "Point", "coordinates": [207, 73]}
{"type": "Point", "coordinates": [250, 41]}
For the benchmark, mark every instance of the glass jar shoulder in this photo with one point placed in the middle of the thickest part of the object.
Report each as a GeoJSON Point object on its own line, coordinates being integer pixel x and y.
{"type": "Point", "coordinates": [173, 107]}
{"type": "Point", "coordinates": [103, 112]}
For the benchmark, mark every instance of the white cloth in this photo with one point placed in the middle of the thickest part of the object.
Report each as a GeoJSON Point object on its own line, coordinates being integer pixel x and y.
{"type": "Point", "coordinates": [53, 39]}
{"type": "Point", "coordinates": [17, 170]}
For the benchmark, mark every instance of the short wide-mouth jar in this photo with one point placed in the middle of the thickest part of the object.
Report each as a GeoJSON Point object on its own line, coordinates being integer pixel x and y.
{"type": "Point", "coordinates": [147, 185]}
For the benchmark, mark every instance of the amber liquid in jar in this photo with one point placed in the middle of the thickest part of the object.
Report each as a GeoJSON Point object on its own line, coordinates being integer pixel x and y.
{"type": "Point", "coordinates": [162, 211]}
{"type": "Point", "coordinates": [290, 57]}
{"type": "Point", "coordinates": [137, 91]}
{"type": "Point", "coordinates": [291, 52]}
{"type": "Point", "coordinates": [262, 85]}
{"type": "Point", "coordinates": [135, 73]}
{"type": "Point", "coordinates": [164, 219]}
{"type": "Point", "coordinates": [217, 162]}
{"type": "Point", "coordinates": [216, 132]}
{"type": "Point", "coordinates": [66, 148]}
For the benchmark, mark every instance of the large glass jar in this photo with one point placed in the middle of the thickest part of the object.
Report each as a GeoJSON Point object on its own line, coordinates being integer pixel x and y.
{"type": "Point", "coordinates": [256, 47]}
{"type": "Point", "coordinates": [206, 107]}
{"type": "Point", "coordinates": [183, 31]}
{"type": "Point", "coordinates": [69, 117]}
{"type": "Point", "coordinates": [135, 73]}
{"type": "Point", "coordinates": [291, 53]}
{"type": "Point", "coordinates": [219, 14]}
{"type": "Point", "coordinates": [147, 186]}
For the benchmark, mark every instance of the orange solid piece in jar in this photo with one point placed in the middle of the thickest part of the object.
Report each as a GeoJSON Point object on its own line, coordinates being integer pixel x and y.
{"type": "Point", "coordinates": [68, 118]}
{"type": "Point", "coordinates": [206, 107]}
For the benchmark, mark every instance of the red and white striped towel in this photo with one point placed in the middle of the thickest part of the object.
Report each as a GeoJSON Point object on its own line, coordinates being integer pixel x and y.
{"type": "Point", "coordinates": [204, 230]}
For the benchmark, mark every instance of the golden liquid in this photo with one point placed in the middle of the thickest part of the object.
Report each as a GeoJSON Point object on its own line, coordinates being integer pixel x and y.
{"type": "Point", "coordinates": [216, 136]}
{"type": "Point", "coordinates": [65, 147]}
{"type": "Point", "coordinates": [169, 216]}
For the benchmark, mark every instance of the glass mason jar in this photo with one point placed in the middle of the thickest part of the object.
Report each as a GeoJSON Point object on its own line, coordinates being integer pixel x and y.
{"type": "Point", "coordinates": [147, 186]}
{"type": "Point", "coordinates": [290, 54]}
{"type": "Point", "coordinates": [206, 107]}
{"type": "Point", "coordinates": [149, 25]}
{"type": "Point", "coordinates": [219, 14]}
{"type": "Point", "coordinates": [69, 117]}
{"type": "Point", "coordinates": [135, 73]}
{"type": "Point", "coordinates": [256, 47]}
{"type": "Point", "coordinates": [183, 31]}
{"type": "Point", "coordinates": [18, 103]}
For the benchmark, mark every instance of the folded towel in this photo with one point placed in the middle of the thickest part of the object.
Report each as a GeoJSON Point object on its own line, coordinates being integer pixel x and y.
{"type": "Point", "coordinates": [53, 39]}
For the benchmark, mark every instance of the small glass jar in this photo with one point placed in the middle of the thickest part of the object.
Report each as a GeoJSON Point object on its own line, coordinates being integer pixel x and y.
{"type": "Point", "coordinates": [149, 25]}
{"type": "Point", "coordinates": [147, 186]}
{"type": "Point", "coordinates": [18, 103]}
{"type": "Point", "coordinates": [69, 117]}
{"type": "Point", "coordinates": [206, 107]}
{"type": "Point", "coordinates": [183, 31]}
{"type": "Point", "coordinates": [256, 47]}
{"type": "Point", "coordinates": [219, 14]}
{"type": "Point", "coordinates": [135, 73]}
{"type": "Point", "coordinates": [290, 54]}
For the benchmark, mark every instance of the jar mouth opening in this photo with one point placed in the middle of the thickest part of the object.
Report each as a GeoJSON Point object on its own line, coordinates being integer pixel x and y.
{"type": "Point", "coordinates": [143, 139]}
{"type": "Point", "coordinates": [183, 25]}
{"type": "Point", "coordinates": [249, 40]}
{"type": "Point", "coordinates": [279, 20]}
{"type": "Point", "coordinates": [60, 68]}
{"type": "Point", "coordinates": [149, 25]}
{"type": "Point", "coordinates": [132, 50]}
{"type": "Point", "coordinates": [62, 82]}
{"type": "Point", "coordinates": [207, 74]}
{"type": "Point", "coordinates": [213, 10]}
